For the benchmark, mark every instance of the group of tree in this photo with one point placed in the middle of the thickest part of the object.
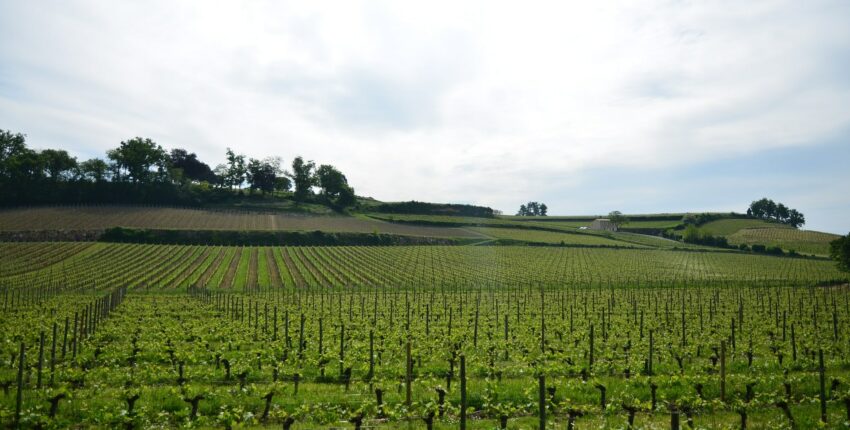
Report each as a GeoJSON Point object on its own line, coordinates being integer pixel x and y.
{"type": "Point", "coordinates": [140, 171]}
{"type": "Point", "coordinates": [839, 250]}
{"type": "Point", "coordinates": [533, 209]}
{"type": "Point", "coordinates": [769, 210]}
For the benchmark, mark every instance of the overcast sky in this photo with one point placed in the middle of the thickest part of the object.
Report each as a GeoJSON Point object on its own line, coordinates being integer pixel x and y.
{"type": "Point", "coordinates": [588, 107]}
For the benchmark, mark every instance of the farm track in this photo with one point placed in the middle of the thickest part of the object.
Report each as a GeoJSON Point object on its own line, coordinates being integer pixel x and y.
{"type": "Point", "coordinates": [210, 270]}
{"type": "Point", "coordinates": [274, 271]}
{"type": "Point", "coordinates": [229, 279]}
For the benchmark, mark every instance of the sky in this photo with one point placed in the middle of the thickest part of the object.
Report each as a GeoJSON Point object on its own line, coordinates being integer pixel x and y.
{"type": "Point", "coordinates": [642, 107]}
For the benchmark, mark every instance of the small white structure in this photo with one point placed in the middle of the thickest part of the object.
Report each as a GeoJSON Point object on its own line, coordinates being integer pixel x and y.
{"type": "Point", "coordinates": [603, 224]}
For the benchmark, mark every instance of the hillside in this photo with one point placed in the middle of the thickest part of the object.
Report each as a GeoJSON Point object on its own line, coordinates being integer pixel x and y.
{"type": "Point", "coordinates": [759, 232]}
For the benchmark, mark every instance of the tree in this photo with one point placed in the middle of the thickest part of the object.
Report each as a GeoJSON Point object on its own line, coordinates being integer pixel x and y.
{"type": "Point", "coordinates": [58, 164]}
{"type": "Point", "coordinates": [795, 219]}
{"type": "Point", "coordinates": [136, 157]}
{"type": "Point", "coordinates": [11, 145]}
{"type": "Point", "coordinates": [262, 174]}
{"type": "Point", "coordinates": [335, 188]}
{"type": "Point", "coordinates": [330, 180]}
{"type": "Point", "coordinates": [533, 209]}
{"type": "Point", "coordinates": [236, 169]}
{"type": "Point", "coordinates": [93, 170]}
{"type": "Point", "coordinates": [303, 178]}
{"type": "Point", "coordinates": [839, 250]}
{"type": "Point", "coordinates": [618, 218]}
{"type": "Point", "coordinates": [192, 168]}
{"type": "Point", "coordinates": [769, 210]}
{"type": "Point", "coordinates": [282, 183]}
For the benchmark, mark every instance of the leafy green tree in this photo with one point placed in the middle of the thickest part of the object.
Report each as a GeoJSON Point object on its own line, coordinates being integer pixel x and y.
{"type": "Point", "coordinates": [58, 164]}
{"type": "Point", "coordinates": [11, 144]}
{"type": "Point", "coordinates": [236, 169]}
{"type": "Point", "coordinates": [136, 157]}
{"type": "Point", "coordinates": [303, 178]}
{"type": "Point", "coordinates": [618, 218]}
{"type": "Point", "coordinates": [544, 209]}
{"type": "Point", "coordinates": [192, 168]}
{"type": "Point", "coordinates": [93, 170]}
{"type": "Point", "coordinates": [795, 219]}
{"type": "Point", "coordinates": [523, 210]}
{"type": "Point", "coordinates": [262, 174]}
{"type": "Point", "coordinates": [330, 180]}
{"type": "Point", "coordinates": [839, 250]}
{"type": "Point", "coordinates": [282, 183]}
{"type": "Point", "coordinates": [334, 185]}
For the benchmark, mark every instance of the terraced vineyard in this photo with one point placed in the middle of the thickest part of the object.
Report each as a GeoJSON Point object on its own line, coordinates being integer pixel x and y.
{"type": "Point", "coordinates": [621, 328]}
{"type": "Point", "coordinates": [802, 241]}
{"type": "Point", "coordinates": [156, 267]}
{"type": "Point", "coordinates": [102, 217]}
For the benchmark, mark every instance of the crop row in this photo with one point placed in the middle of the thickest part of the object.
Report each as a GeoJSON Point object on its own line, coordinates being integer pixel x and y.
{"type": "Point", "coordinates": [151, 267]}
{"type": "Point", "coordinates": [312, 358]}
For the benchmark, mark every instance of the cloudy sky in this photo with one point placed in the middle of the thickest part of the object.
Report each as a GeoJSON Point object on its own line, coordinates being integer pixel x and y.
{"type": "Point", "coordinates": [649, 106]}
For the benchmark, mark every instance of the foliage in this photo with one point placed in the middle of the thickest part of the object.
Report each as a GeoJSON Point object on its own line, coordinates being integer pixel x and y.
{"type": "Point", "coordinates": [303, 178]}
{"type": "Point", "coordinates": [618, 218]}
{"type": "Point", "coordinates": [768, 209]}
{"type": "Point", "coordinates": [533, 209]}
{"type": "Point", "coordinates": [134, 159]}
{"type": "Point", "coordinates": [695, 235]}
{"type": "Point", "coordinates": [423, 208]}
{"type": "Point", "coordinates": [840, 252]}
{"type": "Point", "coordinates": [141, 171]}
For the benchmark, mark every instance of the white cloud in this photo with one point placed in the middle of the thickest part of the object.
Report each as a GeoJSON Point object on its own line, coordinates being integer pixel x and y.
{"type": "Point", "coordinates": [487, 102]}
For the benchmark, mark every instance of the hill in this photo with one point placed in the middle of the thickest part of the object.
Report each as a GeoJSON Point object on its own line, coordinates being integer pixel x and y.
{"type": "Point", "coordinates": [769, 234]}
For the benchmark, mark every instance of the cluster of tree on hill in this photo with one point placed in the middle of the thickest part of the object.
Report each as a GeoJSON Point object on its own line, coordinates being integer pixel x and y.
{"type": "Point", "coordinates": [422, 208]}
{"type": "Point", "coordinates": [533, 209]}
{"type": "Point", "coordinates": [141, 171]}
{"type": "Point", "coordinates": [769, 210]}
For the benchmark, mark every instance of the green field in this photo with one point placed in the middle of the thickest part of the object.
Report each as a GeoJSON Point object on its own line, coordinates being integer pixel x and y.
{"type": "Point", "coordinates": [759, 232]}
{"type": "Point", "coordinates": [326, 328]}
{"type": "Point", "coordinates": [101, 217]}
{"type": "Point", "coordinates": [726, 227]}
{"type": "Point", "coordinates": [303, 337]}
{"type": "Point", "coordinates": [802, 241]}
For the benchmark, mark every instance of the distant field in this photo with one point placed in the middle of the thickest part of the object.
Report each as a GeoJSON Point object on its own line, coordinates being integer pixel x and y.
{"type": "Point", "coordinates": [759, 232]}
{"type": "Point", "coordinates": [802, 241]}
{"type": "Point", "coordinates": [172, 267]}
{"type": "Point", "coordinates": [548, 237]}
{"type": "Point", "coordinates": [101, 217]}
{"type": "Point", "coordinates": [725, 227]}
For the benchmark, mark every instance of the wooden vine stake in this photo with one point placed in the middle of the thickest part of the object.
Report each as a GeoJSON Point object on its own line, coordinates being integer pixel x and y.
{"type": "Point", "coordinates": [462, 391]}
{"type": "Point", "coordinates": [822, 374]}
{"type": "Point", "coordinates": [723, 371]}
{"type": "Point", "coordinates": [20, 396]}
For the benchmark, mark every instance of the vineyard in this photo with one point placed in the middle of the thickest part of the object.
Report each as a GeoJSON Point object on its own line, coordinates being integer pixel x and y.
{"type": "Point", "coordinates": [141, 336]}
{"type": "Point", "coordinates": [802, 241]}
{"type": "Point", "coordinates": [101, 217]}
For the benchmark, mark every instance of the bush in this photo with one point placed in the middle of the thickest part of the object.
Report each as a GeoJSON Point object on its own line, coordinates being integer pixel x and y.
{"type": "Point", "coordinates": [758, 248]}
{"type": "Point", "coordinates": [773, 250]}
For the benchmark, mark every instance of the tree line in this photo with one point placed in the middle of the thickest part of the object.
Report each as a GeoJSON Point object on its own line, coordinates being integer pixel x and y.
{"type": "Point", "coordinates": [769, 210]}
{"type": "Point", "coordinates": [140, 171]}
{"type": "Point", "coordinates": [533, 209]}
